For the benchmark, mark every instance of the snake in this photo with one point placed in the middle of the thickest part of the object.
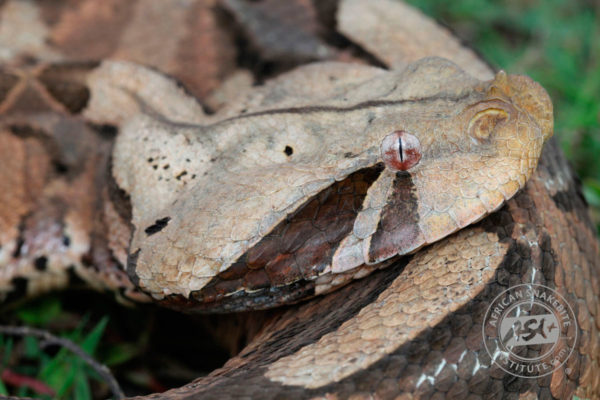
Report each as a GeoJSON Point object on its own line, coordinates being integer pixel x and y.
{"type": "Point", "coordinates": [385, 209]}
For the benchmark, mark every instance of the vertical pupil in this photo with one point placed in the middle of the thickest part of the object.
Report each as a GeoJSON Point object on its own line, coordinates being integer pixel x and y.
{"type": "Point", "coordinates": [400, 149]}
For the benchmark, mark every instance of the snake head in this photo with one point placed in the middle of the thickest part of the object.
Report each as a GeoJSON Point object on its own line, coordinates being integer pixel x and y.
{"type": "Point", "coordinates": [447, 169]}
{"type": "Point", "coordinates": [316, 184]}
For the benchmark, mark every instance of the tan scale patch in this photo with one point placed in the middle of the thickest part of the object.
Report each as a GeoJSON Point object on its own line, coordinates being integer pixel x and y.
{"type": "Point", "coordinates": [117, 88]}
{"type": "Point", "coordinates": [22, 32]}
{"type": "Point", "coordinates": [23, 164]}
{"type": "Point", "coordinates": [399, 34]}
{"type": "Point", "coordinates": [432, 286]}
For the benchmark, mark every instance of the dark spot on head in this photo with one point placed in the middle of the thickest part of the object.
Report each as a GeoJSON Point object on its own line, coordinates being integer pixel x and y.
{"type": "Point", "coordinates": [159, 224]}
{"type": "Point", "coordinates": [40, 263]}
{"type": "Point", "coordinates": [66, 240]}
{"type": "Point", "coordinates": [18, 247]}
{"type": "Point", "coordinates": [288, 151]}
{"type": "Point", "coordinates": [242, 111]}
{"type": "Point", "coordinates": [193, 176]}
{"type": "Point", "coordinates": [166, 166]}
{"type": "Point", "coordinates": [131, 264]}
{"type": "Point", "coordinates": [106, 131]}
{"type": "Point", "coordinates": [155, 166]}
{"type": "Point", "coordinates": [183, 173]}
{"type": "Point", "coordinates": [213, 159]}
{"type": "Point", "coordinates": [150, 159]}
{"type": "Point", "coordinates": [60, 167]}
{"type": "Point", "coordinates": [187, 160]}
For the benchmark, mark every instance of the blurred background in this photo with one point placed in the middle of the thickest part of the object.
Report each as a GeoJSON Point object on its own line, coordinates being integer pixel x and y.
{"type": "Point", "coordinates": [556, 42]}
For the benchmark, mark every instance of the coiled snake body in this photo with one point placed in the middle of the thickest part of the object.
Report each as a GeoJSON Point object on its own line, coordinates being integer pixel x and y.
{"type": "Point", "coordinates": [284, 194]}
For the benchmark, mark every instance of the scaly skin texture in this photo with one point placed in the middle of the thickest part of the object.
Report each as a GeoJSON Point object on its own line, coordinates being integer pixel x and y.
{"type": "Point", "coordinates": [246, 198]}
{"type": "Point", "coordinates": [54, 191]}
{"type": "Point", "coordinates": [412, 330]}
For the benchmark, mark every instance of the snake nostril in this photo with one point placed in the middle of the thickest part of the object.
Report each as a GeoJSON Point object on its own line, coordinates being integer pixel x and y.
{"type": "Point", "coordinates": [400, 150]}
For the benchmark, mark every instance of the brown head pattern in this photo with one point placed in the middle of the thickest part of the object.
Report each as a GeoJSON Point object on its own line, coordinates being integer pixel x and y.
{"type": "Point", "coordinates": [293, 192]}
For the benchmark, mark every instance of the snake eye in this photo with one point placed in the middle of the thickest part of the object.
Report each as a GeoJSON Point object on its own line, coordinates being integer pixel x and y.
{"type": "Point", "coordinates": [484, 122]}
{"type": "Point", "coordinates": [400, 151]}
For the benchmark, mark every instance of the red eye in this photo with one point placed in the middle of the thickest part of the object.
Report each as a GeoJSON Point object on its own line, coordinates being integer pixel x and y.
{"type": "Point", "coordinates": [400, 151]}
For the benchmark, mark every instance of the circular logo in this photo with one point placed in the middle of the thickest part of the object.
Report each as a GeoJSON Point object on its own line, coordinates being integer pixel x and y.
{"type": "Point", "coordinates": [529, 330]}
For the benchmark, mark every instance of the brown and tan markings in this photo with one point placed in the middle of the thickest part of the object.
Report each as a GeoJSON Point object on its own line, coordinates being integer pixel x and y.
{"type": "Point", "coordinates": [384, 343]}
{"type": "Point", "coordinates": [54, 177]}
{"type": "Point", "coordinates": [249, 174]}
{"type": "Point", "coordinates": [282, 268]}
{"type": "Point", "coordinates": [113, 173]}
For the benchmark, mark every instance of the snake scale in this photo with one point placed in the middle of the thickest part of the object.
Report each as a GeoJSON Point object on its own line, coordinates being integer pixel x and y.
{"type": "Point", "coordinates": [297, 188]}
